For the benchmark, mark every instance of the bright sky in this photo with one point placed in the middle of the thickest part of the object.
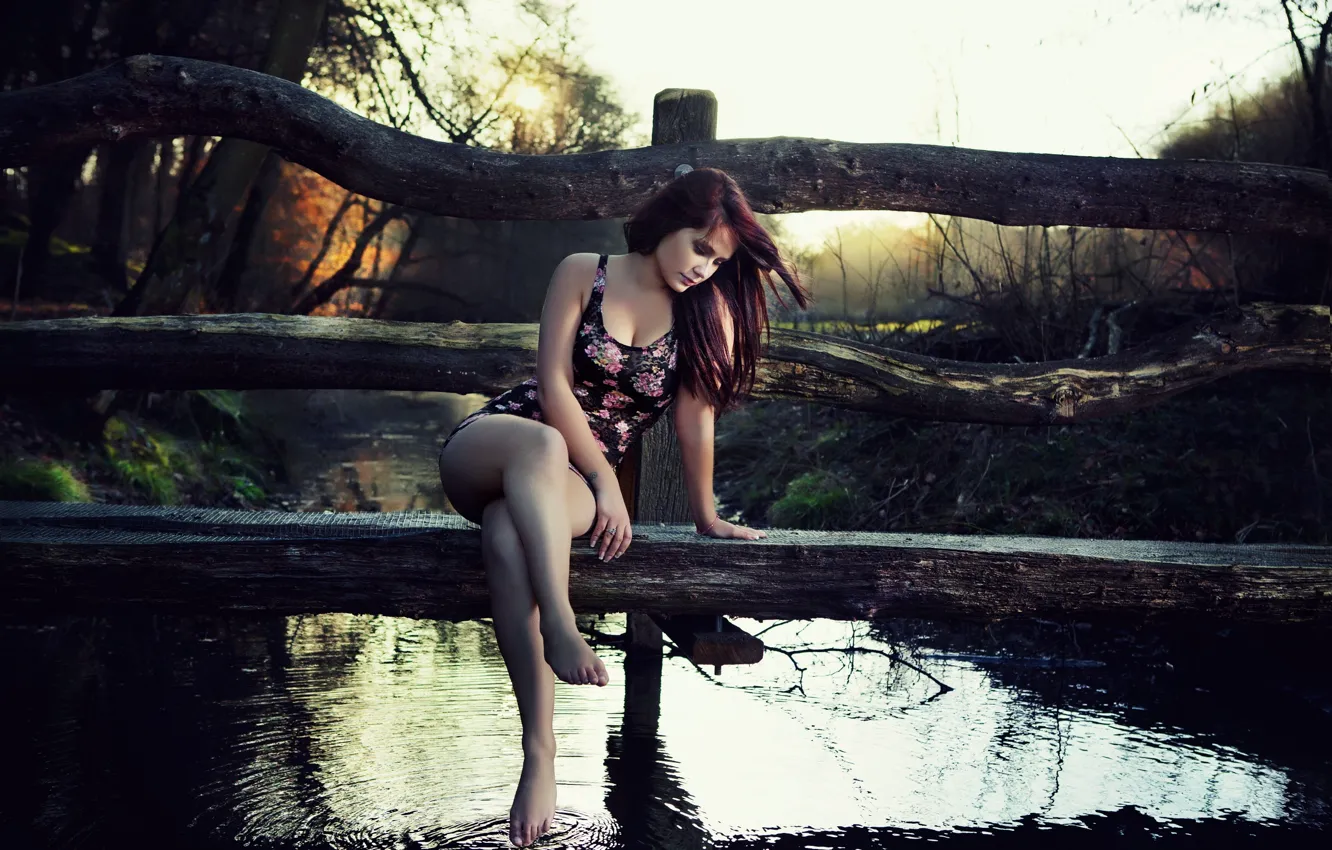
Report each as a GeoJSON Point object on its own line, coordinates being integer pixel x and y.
{"type": "Point", "coordinates": [1052, 76]}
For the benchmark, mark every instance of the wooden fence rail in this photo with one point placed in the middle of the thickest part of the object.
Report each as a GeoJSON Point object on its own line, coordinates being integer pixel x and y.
{"type": "Point", "coordinates": [145, 96]}
{"type": "Point", "coordinates": [248, 351]}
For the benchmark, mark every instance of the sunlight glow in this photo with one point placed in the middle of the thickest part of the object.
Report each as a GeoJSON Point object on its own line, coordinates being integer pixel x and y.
{"type": "Point", "coordinates": [527, 97]}
{"type": "Point", "coordinates": [1045, 76]}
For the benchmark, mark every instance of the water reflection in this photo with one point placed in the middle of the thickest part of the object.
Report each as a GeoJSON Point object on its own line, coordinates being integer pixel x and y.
{"type": "Point", "coordinates": [361, 450]}
{"type": "Point", "coordinates": [979, 756]}
{"type": "Point", "coordinates": [354, 731]}
{"type": "Point", "coordinates": [407, 728]}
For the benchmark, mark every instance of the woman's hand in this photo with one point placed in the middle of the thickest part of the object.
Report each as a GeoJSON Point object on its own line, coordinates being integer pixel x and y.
{"type": "Point", "coordinates": [612, 525]}
{"type": "Point", "coordinates": [730, 531]}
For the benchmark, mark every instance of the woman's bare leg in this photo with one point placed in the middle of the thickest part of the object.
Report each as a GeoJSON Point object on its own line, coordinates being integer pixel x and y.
{"type": "Point", "coordinates": [534, 489]}
{"type": "Point", "coordinates": [517, 631]}
{"type": "Point", "coordinates": [525, 462]}
{"type": "Point", "coordinates": [475, 472]}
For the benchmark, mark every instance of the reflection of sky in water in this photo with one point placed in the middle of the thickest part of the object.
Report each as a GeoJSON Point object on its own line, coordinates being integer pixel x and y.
{"type": "Point", "coordinates": [851, 752]}
{"type": "Point", "coordinates": [412, 725]}
{"type": "Point", "coordinates": [420, 729]}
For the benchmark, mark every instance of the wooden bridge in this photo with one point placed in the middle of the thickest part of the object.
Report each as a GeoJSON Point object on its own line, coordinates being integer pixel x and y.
{"type": "Point", "coordinates": [424, 564]}
{"type": "Point", "coordinates": [89, 558]}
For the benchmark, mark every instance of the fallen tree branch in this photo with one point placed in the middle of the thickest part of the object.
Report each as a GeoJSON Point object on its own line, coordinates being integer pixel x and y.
{"type": "Point", "coordinates": [256, 351]}
{"type": "Point", "coordinates": [153, 96]}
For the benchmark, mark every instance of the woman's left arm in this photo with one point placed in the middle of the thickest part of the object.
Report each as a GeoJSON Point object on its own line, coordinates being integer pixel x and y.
{"type": "Point", "coordinates": [694, 420]}
{"type": "Point", "coordinates": [694, 430]}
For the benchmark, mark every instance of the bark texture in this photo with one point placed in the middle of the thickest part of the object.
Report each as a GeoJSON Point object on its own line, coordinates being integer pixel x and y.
{"type": "Point", "coordinates": [67, 558]}
{"type": "Point", "coordinates": [257, 351]}
{"type": "Point", "coordinates": [161, 96]}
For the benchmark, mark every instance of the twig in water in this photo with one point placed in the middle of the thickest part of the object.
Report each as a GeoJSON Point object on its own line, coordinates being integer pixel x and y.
{"type": "Point", "coordinates": [773, 626]}
{"type": "Point", "coordinates": [894, 656]}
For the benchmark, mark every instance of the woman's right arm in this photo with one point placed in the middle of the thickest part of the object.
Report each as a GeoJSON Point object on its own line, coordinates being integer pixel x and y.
{"type": "Point", "coordinates": [559, 327]}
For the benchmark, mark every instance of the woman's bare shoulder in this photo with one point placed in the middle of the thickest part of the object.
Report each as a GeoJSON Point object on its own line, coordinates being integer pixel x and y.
{"type": "Point", "coordinates": [578, 266]}
{"type": "Point", "coordinates": [575, 274]}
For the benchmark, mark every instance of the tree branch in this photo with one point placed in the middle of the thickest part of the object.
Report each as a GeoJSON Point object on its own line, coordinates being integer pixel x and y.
{"type": "Point", "coordinates": [336, 282]}
{"type": "Point", "coordinates": [330, 231]}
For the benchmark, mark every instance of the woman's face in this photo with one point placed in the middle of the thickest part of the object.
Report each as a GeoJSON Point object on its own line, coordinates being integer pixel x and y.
{"type": "Point", "coordinates": [687, 258]}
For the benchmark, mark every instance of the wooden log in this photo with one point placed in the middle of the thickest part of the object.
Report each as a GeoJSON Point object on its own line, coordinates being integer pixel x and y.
{"type": "Point", "coordinates": [708, 639]}
{"type": "Point", "coordinates": [256, 351]}
{"type": "Point", "coordinates": [85, 558]}
{"type": "Point", "coordinates": [155, 96]}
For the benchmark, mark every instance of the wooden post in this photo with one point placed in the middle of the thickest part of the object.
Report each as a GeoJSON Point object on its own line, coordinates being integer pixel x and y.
{"type": "Point", "coordinates": [652, 475]}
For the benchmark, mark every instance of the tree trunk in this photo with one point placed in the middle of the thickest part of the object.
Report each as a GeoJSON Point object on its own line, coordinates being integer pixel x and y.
{"type": "Point", "coordinates": [415, 227]}
{"type": "Point", "coordinates": [345, 275]}
{"type": "Point", "coordinates": [109, 247]}
{"type": "Point", "coordinates": [50, 188]}
{"type": "Point", "coordinates": [228, 296]}
{"type": "Point", "coordinates": [181, 266]}
{"type": "Point", "coordinates": [166, 158]}
{"type": "Point", "coordinates": [330, 233]}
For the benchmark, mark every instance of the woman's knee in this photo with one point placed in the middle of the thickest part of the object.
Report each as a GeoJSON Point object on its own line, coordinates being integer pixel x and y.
{"type": "Point", "coordinates": [546, 444]}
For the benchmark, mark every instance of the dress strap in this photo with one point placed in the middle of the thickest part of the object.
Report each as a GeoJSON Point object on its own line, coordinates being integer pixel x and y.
{"type": "Point", "coordinates": [599, 283]}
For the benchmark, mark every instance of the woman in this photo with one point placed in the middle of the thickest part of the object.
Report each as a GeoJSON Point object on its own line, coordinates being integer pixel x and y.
{"type": "Point", "coordinates": [678, 318]}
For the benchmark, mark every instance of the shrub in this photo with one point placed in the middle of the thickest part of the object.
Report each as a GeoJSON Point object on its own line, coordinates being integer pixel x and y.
{"type": "Point", "coordinates": [41, 481]}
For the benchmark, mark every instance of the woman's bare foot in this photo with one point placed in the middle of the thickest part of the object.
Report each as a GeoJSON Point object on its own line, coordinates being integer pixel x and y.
{"type": "Point", "coordinates": [570, 657]}
{"type": "Point", "coordinates": [534, 802]}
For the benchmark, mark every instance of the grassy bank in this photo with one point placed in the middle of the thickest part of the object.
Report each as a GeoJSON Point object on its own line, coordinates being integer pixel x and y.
{"type": "Point", "coordinates": [181, 448]}
{"type": "Point", "coordinates": [1246, 460]}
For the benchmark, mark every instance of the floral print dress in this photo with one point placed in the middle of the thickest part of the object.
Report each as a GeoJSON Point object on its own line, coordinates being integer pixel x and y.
{"type": "Point", "coordinates": [622, 389]}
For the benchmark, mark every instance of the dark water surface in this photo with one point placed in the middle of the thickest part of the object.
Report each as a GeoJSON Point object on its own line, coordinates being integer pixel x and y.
{"type": "Point", "coordinates": [339, 731]}
{"type": "Point", "coordinates": [347, 731]}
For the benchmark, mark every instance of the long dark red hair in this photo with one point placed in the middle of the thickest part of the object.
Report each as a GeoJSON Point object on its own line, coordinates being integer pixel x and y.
{"type": "Point", "coordinates": [707, 199]}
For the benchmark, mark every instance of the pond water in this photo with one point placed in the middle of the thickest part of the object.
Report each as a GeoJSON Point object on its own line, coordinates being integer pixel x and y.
{"type": "Point", "coordinates": [376, 732]}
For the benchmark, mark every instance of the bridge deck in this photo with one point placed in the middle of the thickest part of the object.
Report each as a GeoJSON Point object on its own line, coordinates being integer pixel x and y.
{"type": "Point", "coordinates": [64, 557]}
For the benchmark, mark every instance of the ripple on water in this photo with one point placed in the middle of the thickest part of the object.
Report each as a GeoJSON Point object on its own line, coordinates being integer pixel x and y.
{"type": "Point", "coordinates": [574, 830]}
{"type": "Point", "coordinates": [395, 733]}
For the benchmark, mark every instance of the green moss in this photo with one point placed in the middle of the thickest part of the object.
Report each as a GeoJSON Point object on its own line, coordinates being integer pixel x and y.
{"type": "Point", "coordinates": [204, 468]}
{"type": "Point", "coordinates": [813, 500]}
{"type": "Point", "coordinates": [41, 481]}
{"type": "Point", "coordinates": [149, 460]}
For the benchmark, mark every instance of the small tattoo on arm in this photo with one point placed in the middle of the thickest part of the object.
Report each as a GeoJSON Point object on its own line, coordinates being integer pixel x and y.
{"type": "Point", "coordinates": [591, 477]}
